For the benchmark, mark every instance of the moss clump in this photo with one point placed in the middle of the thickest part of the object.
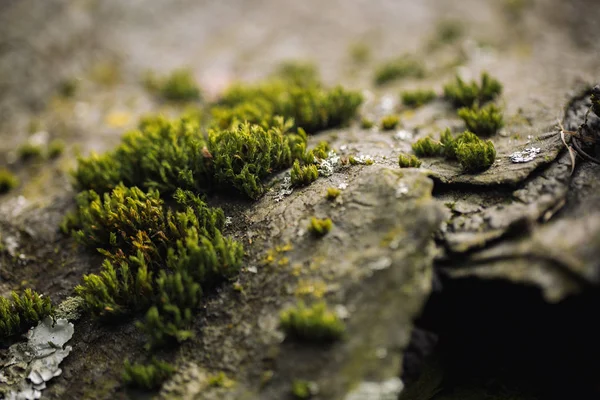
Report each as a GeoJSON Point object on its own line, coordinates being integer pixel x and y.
{"type": "Point", "coordinates": [448, 143]}
{"type": "Point", "coordinates": [366, 123]}
{"type": "Point", "coordinates": [302, 389]}
{"type": "Point", "coordinates": [462, 94]}
{"type": "Point", "coordinates": [312, 324]}
{"type": "Point", "coordinates": [147, 377]}
{"type": "Point", "coordinates": [220, 380]}
{"type": "Point", "coordinates": [22, 312]}
{"type": "Point", "coordinates": [474, 154]}
{"type": "Point", "coordinates": [179, 85]}
{"type": "Point", "coordinates": [299, 73]}
{"type": "Point", "coordinates": [417, 98]}
{"type": "Point", "coordinates": [408, 161]}
{"type": "Point", "coordinates": [447, 32]}
{"type": "Point", "coordinates": [360, 160]}
{"type": "Point", "coordinates": [484, 121]}
{"type": "Point", "coordinates": [398, 68]}
{"type": "Point", "coordinates": [332, 193]}
{"type": "Point", "coordinates": [303, 175]}
{"type": "Point", "coordinates": [389, 122]}
{"type": "Point", "coordinates": [360, 53]}
{"type": "Point", "coordinates": [320, 227]}
{"type": "Point", "coordinates": [8, 181]}
{"type": "Point", "coordinates": [29, 151]}
{"type": "Point", "coordinates": [56, 148]}
{"type": "Point", "coordinates": [427, 147]}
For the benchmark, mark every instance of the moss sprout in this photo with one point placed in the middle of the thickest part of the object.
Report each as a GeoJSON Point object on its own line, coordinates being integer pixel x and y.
{"type": "Point", "coordinates": [463, 94]}
{"type": "Point", "coordinates": [320, 227]}
{"type": "Point", "coordinates": [220, 380]}
{"type": "Point", "coordinates": [147, 376]}
{"type": "Point", "coordinates": [399, 68]}
{"type": "Point", "coordinates": [303, 175]}
{"type": "Point", "coordinates": [417, 98]}
{"type": "Point", "coordinates": [427, 147]}
{"type": "Point", "coordinates": [302, 390]}
{"type": "Point", "coordinates": [389, 122]}
{"type": "Point", "coordinates": [408, 161]}
{"type": "Point", "coordinates": [332, 193]}
{"type": "Point", "coordinates": [56, 148]}
{"type": "Point", "coordinates": [179, 85]}
{"type": "Point", "coordinates": [474, 154]}
{"type": "Point", "coordinates": [22, 312]}
{"type": "Point", "coordinates": [447, 32]}
{"type": "Point", "coordinates": [313, 324]}
{"type": "Point", "coordinates": [484, 121]}
{"type": "Point", "coordinates": [8, 181]}
{"type": "Point", "coordinates": [300, 73]}
{"type": "Point", "coordinates": [29, 151]}
{"type": "Point", "coordinates": [366, 123]}
{"type": "Point", "coordinates": [360, 53]}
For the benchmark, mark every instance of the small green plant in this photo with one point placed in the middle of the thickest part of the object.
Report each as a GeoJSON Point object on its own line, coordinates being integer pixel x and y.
{"type": "Point", "coordinates": [8, 181]}
{"type": "Point", "coordinates": [22, 312]}
{"type": "Point", "coordinates": [220, 380]}
{"type": "Point", "coordinates": [29, 151]}
{"type": "Point", "coordinates": [56, 148]}
{"type": "Point", "coordinates": [147, 376]}
{"type": "Point", "coordinates": [474, 154]}
{"type": "Point", "coordinates": [332, 193]}
{"type": "Point", "coordinates": [360, 53]}
{"type": "Point", "coordinates": [320, 227]}
{"type": "Point", "coordinates": [417, 98]}
{"type": "Point", "coordinates": [389, 122]}
{"type": "Point", "coordinates": [179, 85]}
{"type": "Point", "coordinates": [313, 324]}
{"type": "Point", "coordinates": [300, 73]}
{"type": "Point", "coordinates": [302, 390]}
{"type": "Point", "coordinates": [398, 68]}
{"type": "Point", "coordinates": [366, 123]}
{"type": "Point", "coordinates": [462, 94]}
{"type": "Point", "coordinates": [360, 160]}
{"type": "Point", "coordinates": [303, 175]}
{"type": "Point", "coordinates": [408, 161]}
{"type": "Point", "coordinates": [484, 121]}
{"type": "Point", "coordinates": [427, 147]}
{"type": "Point", "coordinates": [447, 32]}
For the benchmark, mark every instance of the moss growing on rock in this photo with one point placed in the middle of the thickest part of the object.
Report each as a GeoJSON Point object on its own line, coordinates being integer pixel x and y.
{"type": "Point", "coordinates": [408, 161]}
{"type": "Point", "coordinates": [179, 85]}
{"type": "Point", "coordinates": [474, 154]}
{"type": "Point", "coordinates": [303, 175]}
{"type": "Point", "coordinates": [389, 122]}
{"type": "Point", "coordinates": [8, 181]}
{"type": "Point", "coordinates": [56, 148]}
{"type": "Point", "coordinates": [463, 94]}
{"type": "Point", "coordinates": [22, 312]}
{"type": "Point", "coordinates": [332, 193]}
{"type": "Point", "coordinates": [312, 324]}
{"type": "Point", "coordinates": [302, 390]}
{"type": "Point", "coordinates": [147, 376]}
{"type": "Point", "coordinates": [30, 151]}
{"type": "Point", "coordinates": [366, 123]}
{"type": "Point", "coordinates": [320, 227]}
{"type": "Point", "coordinates": [398, 68]}
{"type": "Point", "coordinates": [427, 147]}
{"type": "Point", "coordinates": [417, 98]}
{"type": "Point", "coordinates": [484, 121]}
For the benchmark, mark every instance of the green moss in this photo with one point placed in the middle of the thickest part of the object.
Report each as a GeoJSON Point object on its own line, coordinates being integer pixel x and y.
{"type": "Point", "coordinates": [68, 87]}
{"type": "Point", "coordinates": [389, 122]}
{"type": "Point", "coordinates": [463, 94]}
{"type": "Point", "coordinates": [8, 181]}
{"type": "Point", "coordinates": [332, 193]}
{"type": "Point", "coordinates": [417, 98]}
{"type": "Point", "coordinates": [447, 32]}
{"type": "Point", "coordinates": [360, 53]}
{"type": "Point", "coordinates": [22, 312]}
{"type": "Point", "coordinates": [427, 147]}
{"type": "Point", "coordinates": [302, 389]}
{"type": "Point", "coordinates": [474, 154]}
{"type": "Point", "coordinates": [299, 73]}
{"type": "Point", "coordinates": [29, 151]}
{"type": "Point", "coordinates": [319, 152]}
{"type": "Point", "coordinates": [408, 161]}
{"type": "Point", "coordinates": [56, 148]}
{"type": "Point", "coordinates": [399, 68]}
{"type": "Point", "coordinates": [313, 324]}
{"type": "Point", "coordinates": [320, 227]}
{"type": "Point", "coordinates": [220, 380]}
{"type": "Point", "coordinates": [448, 143]}
{"type": "Point", "coordinates": [484, 121]}
{"type": "Point", "coordinates": [303, 175]}
{"type": "Point", "coordinates": [147, 377]}
{"type": "Point", "coordinates": [179, 85]}
{"type": "Point", "coordinates": [366, 123]}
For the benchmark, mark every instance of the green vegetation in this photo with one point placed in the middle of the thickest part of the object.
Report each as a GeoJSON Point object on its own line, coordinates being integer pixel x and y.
{"type": "Point", "coordinates": [56, 148]}
{"type": "Point", "coordinates": [447, 32]}
{"type": "Point", "coordinates": [220, 380]}
{"type": "Point", "coordinates": [22, 312]}
{"type": "Point", "coordinates": [147, 377]}
{"type": "Point", "coordinates": [298, 73]}
{"type": "Point", "coordinates": [332, 193]}
{"type": "Point", "coordinates": [484, 121]}
{"type": "Point", "coordinates": [462, 94]}
{"type": "Point", "coordinates": [389, 122]}
{"type": "Point", "coordinates": [399, 68]}
{"type": "Point", "coordinates": [360, 53]}
{"type": "Point", "coordinates": [311, 324]}
{"type": "Point", "coordinates": [179, 85]}
{"type": "Point", "coordinates": [362, 160]}
{"type": "Point", "coordinates": [320, 227]}
{"type": "Point", "coordinates": [302, 389]}
{"type": "Point", "coordinates": [366, 123]}
{"type": "Point", "coordinates": [68, 87]}
{"type": "Point", "coordinates": [8, 181]}
{"type": "Point", "coordinates": [29, 151]}
{"type": "Point", "coordinates": [408, 161]}
{"type": "Point", "coordinates": [427, 147]}
{"type": "Point", "coordinates": [303, 175]}
{"type": "Point", "coordinates": [417, 98]}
